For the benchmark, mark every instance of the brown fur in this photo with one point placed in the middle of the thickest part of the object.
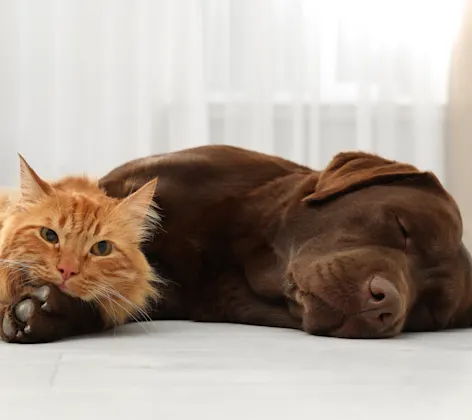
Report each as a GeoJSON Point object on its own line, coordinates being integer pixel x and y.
{"type": "Point", "coordinates": [121, 283]}
{"type": "Point", "coordinates": [255, 239]}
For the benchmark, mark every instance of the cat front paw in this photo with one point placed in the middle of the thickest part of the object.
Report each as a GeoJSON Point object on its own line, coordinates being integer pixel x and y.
{"type": "Point", "coordinates": [44, 315]}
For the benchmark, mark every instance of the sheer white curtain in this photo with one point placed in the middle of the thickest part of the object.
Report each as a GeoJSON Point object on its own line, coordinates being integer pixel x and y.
{"type": "Point", "coordinates": [88, 84]}
{"type": "Point", "coordinates": [458, 135]}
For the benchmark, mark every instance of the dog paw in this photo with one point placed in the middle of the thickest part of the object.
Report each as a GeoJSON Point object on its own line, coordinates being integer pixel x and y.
{"type": "Point", "coordinates": [19, 319]}
{"type": "Point", "coordinates": [46, 314]}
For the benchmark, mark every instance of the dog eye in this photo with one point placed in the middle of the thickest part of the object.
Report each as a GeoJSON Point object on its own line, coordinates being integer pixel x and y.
{"type": "Point", "coordinates": [403, 230]}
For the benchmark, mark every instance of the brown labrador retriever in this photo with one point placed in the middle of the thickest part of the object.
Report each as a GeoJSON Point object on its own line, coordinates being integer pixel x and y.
{"type": "Point", "coordinates": [366, 248]}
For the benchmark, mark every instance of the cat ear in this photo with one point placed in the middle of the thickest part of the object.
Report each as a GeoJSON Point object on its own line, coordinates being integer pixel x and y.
{"type": "Point", "coordinates": [33, 188]}
{"type": "Point", "coordinates": [140, 204]}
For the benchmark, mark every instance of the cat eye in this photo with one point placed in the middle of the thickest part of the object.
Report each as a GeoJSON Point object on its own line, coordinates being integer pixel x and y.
{"type": "Point", "coordinates": [101, 249]}
{"type": "Point", "coordinates": [49, 235]}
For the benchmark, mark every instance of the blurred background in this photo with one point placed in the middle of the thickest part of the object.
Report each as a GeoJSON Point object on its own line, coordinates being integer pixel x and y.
{"type": "Point", "coordinates": [86, 85]}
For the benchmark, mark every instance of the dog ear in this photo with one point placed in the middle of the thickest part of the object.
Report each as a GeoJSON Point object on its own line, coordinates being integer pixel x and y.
{"type": "Point", "coordinates": [354, 170]}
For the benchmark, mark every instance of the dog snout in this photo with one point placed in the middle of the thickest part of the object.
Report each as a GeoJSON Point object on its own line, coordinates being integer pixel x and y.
{"type": "Point", "coordinates": [384, 304]}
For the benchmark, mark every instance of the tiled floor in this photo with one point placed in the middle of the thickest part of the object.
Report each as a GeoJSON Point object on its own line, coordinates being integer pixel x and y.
{"type": "Point", "coordinates": [179, 370]}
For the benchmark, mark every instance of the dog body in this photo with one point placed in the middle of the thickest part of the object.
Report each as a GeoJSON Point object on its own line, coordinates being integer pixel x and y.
{"type": "Point", "coordinates": [365, 248]}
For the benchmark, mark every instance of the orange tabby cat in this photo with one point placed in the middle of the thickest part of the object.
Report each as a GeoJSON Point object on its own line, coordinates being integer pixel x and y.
{"type": "Point", "coordinates": [72, 235]}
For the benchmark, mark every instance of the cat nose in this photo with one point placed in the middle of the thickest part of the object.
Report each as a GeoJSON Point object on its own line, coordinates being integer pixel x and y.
{"type": "Point", "coordinates": [68, 268]}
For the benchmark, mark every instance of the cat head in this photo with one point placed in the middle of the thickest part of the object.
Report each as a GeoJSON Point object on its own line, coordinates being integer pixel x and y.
{"type": "Point", "coordinates": [71, 234]}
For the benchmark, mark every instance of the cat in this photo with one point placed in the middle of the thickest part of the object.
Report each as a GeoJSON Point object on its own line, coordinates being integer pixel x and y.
{"type": "Point", "coordinates": [73, 236]}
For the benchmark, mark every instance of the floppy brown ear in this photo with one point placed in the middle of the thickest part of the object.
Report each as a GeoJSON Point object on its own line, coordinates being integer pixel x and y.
{"type": "Point", "coordinates": [353, 170]}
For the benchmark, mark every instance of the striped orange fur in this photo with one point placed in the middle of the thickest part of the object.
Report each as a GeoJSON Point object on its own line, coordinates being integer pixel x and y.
{"type": "Point", "coordinates": [81, 214]}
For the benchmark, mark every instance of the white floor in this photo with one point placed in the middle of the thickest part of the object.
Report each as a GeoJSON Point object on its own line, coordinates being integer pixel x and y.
{"type": "Point", "coordinates": [180, 370]}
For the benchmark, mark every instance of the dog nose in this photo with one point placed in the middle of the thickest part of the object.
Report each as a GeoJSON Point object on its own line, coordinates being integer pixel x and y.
{"type": "Point", "coordinates": [384, 305]}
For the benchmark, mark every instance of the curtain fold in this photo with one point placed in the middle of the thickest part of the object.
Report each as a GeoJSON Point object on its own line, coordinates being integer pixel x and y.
{"type": "Point", "coordinates": [458, 137]}
{"type": "Point", "coordinates": [88, 84]}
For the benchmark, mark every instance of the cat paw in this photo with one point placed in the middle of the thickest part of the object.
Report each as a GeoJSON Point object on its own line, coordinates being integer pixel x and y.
{"type": "Point", "coordinates": [43, 315]}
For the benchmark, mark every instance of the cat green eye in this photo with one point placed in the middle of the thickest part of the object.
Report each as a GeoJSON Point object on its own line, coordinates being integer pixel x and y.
{"type": "Point", "coordinates": [101, 249]}
{"type": "Point", "coordinates": [49, 235]}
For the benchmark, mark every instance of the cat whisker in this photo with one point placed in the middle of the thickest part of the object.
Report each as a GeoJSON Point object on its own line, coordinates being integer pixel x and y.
{"type": "Point", "coordinates": [130, 314]}
{"type": "Point", "coordinates": [103, 292]}
{"type": "Point", "coordinates": [12, 274]}
{"type": "Point", "coordinates": [98, 298]}
{"type": "Point", "coordinates": [114, 301]}
{"type": "Point", "coordinates": [112, 317]}
{"type": "Point", "coordinates": [14, 261]}
{"type": "Point", "coordinates": [14, 268]}
{"type": "Point", "coordinates": [31, 280]}
{"type": "Point", "coordinates": [100, 303]}
{"type": "Point", "coordinates": [140, 311]}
